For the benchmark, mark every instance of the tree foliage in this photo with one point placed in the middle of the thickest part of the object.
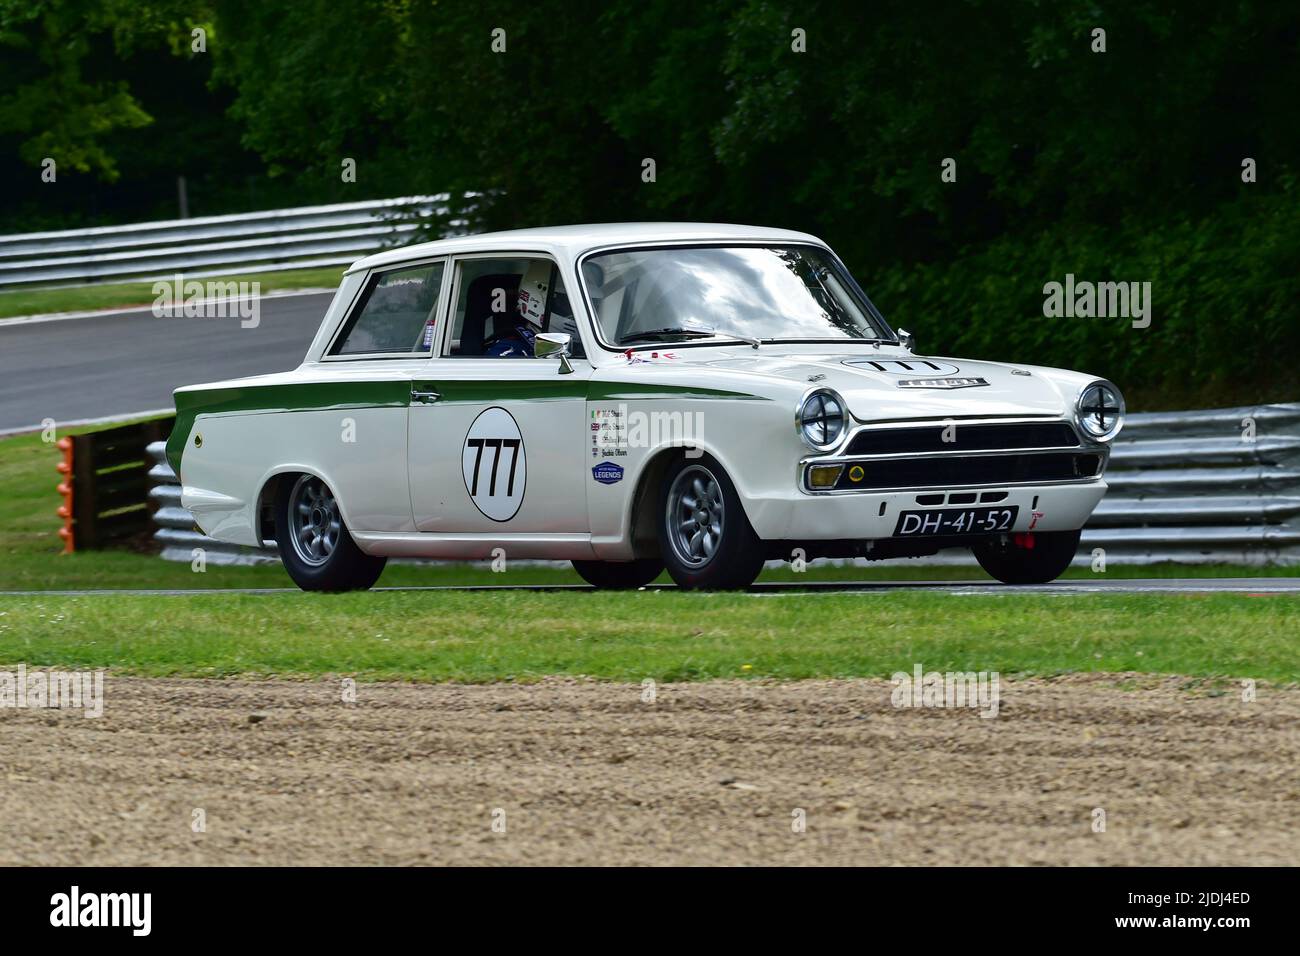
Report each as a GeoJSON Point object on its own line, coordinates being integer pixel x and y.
{"type": "Point", "coordinates": [1117, 165]}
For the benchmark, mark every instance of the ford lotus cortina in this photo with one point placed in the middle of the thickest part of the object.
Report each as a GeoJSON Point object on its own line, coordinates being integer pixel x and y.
{"type": "Point", "coordinates": [701, 398]}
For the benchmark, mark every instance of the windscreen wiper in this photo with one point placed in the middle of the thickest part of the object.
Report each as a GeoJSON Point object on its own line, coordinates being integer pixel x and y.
{"type": "Point", "coordinates": [654, 334]}
{"type": "Point", "coordinates": [650, 335]}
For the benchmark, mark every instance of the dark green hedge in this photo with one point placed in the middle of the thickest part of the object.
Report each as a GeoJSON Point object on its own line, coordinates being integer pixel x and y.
{"type": "Point", "coordinates": [1225, 293]}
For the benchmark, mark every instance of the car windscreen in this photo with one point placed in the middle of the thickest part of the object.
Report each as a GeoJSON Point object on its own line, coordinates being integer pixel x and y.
{"type": "Point", "coordinates": [699, 292]}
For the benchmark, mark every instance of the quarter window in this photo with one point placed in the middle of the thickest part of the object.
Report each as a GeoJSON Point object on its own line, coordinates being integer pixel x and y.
{"type": "Point", "coordinates": [396, 315]}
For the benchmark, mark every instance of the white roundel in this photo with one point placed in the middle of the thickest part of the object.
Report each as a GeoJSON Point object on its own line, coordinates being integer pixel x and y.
{"type": "Point", "coordinates": [493, 464]}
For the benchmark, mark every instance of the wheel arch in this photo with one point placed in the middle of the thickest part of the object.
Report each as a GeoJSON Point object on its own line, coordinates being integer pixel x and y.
{"type": "Point", "coordinates": [640, 527]}
{"type": "Point", "coordinates": [269, 488]}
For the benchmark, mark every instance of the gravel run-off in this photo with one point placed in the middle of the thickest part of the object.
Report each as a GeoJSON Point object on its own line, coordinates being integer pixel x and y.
{"type": "Point", "coordinates": [582, 772]}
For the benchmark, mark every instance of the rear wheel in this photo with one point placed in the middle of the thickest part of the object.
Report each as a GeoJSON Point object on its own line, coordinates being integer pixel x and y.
{"type": "Point", "coordinates": [705, 538]}
{"type": "Point", "coordinates": [619, 575]}
{"type": "Point", "coordinates": [1031, 558]}
{"type": "Point", "coordinates": [314, 544]}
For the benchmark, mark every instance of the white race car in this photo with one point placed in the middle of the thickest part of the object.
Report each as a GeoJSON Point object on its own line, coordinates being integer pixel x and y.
{"type": "Point", "coordinates": [633, 397]}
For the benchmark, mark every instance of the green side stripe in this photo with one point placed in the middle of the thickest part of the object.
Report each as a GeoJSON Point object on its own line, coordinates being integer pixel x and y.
{"type": "Point", "coordinates": [397, 394]}
{"type": "Point", "coordinates": [562, 387]}
{"type": "Point", "coordinates": [279, 398]}
{"type": "Point", "coordinates": [624, 392]}
{"type": "Point", "coordinates": [476, 390]}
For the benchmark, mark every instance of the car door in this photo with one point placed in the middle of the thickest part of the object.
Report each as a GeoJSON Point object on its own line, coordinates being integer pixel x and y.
{"type": "Point", "coordinates": [358, 433]}
{"type": "Point", "coordinates": [496, 444]}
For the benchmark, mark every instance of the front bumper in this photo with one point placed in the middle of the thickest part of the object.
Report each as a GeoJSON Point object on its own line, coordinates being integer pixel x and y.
{"type": "Point", "coordinates": [867, 515]}
{"type": "Point", "coordinates": [1040, 466]}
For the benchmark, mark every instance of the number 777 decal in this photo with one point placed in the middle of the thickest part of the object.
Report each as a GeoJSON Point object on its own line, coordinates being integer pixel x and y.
{"type": "Point", "coordinates": [496, 444]}
{"type": "Point", "coordinates": [494, 464]}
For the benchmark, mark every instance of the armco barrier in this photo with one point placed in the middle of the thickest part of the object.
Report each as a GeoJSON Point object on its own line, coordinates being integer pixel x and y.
{"type": "Point", "coordinates": [177, 535]}
{"type": "Point", "coordinates": [1219, 485]}
{"type": "Point", "coordinates": [276, 239]}
{"type": "Point", "coordinates": [1203, 486]}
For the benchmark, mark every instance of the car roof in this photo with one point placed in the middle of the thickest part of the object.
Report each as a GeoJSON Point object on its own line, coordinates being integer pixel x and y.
{"type": "Point", "coordinates": [571, 241]}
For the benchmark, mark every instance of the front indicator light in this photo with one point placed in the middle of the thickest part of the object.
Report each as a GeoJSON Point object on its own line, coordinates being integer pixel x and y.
{"type": "Point", "coordinates": [824, 476]}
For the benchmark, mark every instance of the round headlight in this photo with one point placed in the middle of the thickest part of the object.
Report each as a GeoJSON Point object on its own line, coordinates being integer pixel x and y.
{"type": "Point", "coordinates": [1100, 411]}
{"type": "Point", "coordinates": [822, 419]}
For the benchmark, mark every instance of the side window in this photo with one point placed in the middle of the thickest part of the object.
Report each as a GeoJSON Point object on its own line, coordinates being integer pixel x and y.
{"type": "Point", "coordinates": [502, 304]}
{"type": "Point", "coordinates": [396, 314]}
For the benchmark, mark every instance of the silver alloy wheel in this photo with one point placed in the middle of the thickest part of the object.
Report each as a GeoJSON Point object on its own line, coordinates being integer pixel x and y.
{"type": "Point", "coordinates": [314, 522]}
{"type": "Point", "coordinates": [695, 514]}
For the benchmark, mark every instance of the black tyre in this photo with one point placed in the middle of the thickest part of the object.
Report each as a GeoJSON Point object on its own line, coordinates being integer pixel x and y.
{"type": "Point", "coordinates": [619, 575]}
{"type": "Point", "coordinates": [705, 537]}
{"type": "Point", "coordinates": [1034, 558]}
{"type": "Point", "coordinates": [315, 546]}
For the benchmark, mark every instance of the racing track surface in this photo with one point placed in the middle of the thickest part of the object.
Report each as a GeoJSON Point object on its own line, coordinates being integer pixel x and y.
{"type": "Point", "coordinates": [707, 774]}
{"type": "Point", "coordinates": [118, 364]}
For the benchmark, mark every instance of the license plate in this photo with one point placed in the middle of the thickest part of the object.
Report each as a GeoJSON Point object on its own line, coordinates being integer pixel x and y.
{"type": "Point", "coordinates": [955, 521]}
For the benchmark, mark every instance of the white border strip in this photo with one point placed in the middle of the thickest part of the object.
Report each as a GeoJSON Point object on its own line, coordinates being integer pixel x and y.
{"type": "Point", "coordinates": [97, 313]}
{"type": "Point", "coordinates": [122, 417]}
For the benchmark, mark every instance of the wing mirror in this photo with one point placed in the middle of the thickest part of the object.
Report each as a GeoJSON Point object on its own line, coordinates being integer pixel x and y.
{"type": "Point", "coordinates": [554, 345]}
{"type": "Point", "coordinates": [907, 340]}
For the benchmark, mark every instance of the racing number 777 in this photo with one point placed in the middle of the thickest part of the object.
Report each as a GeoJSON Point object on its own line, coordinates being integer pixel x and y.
{"type": "Point", "coordinates": [496, 444]}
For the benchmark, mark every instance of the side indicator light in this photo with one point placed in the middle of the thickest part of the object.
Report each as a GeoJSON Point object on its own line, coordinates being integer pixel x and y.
{"type": "Point", "coordinates": [824, 476]}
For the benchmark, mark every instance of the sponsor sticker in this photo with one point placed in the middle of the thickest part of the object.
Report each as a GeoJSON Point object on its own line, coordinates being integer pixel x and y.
{"type": "Point", "coordinates": [641, 358]}
{"type": "Point", "coordinates": [607, 473]}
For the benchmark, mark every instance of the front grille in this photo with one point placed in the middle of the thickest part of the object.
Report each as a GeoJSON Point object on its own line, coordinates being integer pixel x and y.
{"type": "Point", "coordinates": [966, 437]}
{"type": "Point", "coordinates": [958, 470]}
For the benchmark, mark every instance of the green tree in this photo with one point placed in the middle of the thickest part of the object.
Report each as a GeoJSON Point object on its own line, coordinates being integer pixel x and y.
{"type": "Point", "coordinates": [59, 96]}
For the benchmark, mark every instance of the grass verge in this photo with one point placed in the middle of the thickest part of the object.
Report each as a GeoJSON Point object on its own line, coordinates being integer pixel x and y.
{"type": "Point", "coordinates": [31, 558]}
{"type": "Point", "coordinates": [121, 295]}
{"type": "Point", "coordinates": [667, 636]}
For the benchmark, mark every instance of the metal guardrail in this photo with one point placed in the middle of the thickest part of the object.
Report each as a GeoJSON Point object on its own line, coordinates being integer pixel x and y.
{"type": "Point", "coordinates": [177, 535]}
{"type": "Point", "coordinates": [1218, 485]}
{"type": "Point", "coordinates": [276, 239]}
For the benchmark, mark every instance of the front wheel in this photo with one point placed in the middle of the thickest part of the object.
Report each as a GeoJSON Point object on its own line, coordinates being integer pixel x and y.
{"type": "Point", "coordinates": [1030, 558]}
{"type": "Point", "coordinates": [705, 537]}
{"type": "Point", "coordinates": [619, 575]}
{"type": "Point", "coordinates": [314, 544]}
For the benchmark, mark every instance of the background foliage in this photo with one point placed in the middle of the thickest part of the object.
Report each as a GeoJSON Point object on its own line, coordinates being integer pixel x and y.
{"type": "Point", "coordinates": [1123, 165]}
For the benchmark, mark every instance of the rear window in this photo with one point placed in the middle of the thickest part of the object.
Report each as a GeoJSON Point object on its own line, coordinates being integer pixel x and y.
{"type": "Point", "coordinates": [396, 314]}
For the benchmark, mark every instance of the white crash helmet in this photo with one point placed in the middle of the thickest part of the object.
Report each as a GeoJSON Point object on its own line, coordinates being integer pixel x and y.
{"type": "Point", "coordinates": [533, 290]}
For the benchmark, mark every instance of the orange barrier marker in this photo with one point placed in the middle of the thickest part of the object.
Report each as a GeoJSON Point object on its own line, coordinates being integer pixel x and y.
{"type": "Point", "coordinates": [65, 488]}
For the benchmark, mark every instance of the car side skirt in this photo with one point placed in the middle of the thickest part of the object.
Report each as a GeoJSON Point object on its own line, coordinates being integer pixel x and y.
{"type": "Point", "coordinates": [477, 547]}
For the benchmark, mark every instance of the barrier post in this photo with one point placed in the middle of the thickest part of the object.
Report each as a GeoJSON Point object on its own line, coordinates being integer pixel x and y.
{"type": "Point", "coordinates": [65, 488]}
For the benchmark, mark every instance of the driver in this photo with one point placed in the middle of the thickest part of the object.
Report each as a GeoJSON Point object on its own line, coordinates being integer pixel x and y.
{"type": "Point", "coordinates": [530, 307]}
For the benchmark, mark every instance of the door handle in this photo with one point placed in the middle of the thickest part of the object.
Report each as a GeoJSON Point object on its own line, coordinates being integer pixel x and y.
{"type": "Point", "coordinates": [419, 396]}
